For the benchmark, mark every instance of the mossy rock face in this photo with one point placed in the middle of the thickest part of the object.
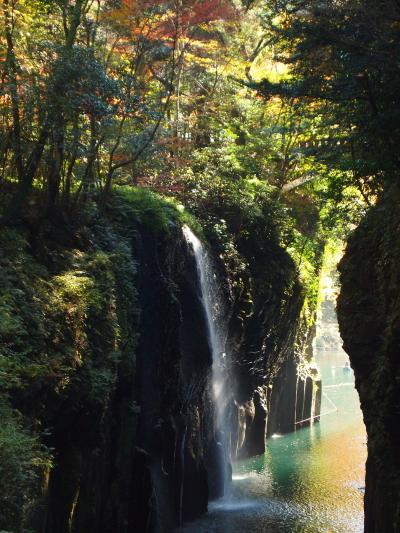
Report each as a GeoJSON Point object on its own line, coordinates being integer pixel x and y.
{"type": "Point", "coordinates": [369, 320]}
{"type": "Point", "coordinates": [69, 327]}
{"type": "Point", "coordinates": [104, 351]}
{"type": "Point", "coordinates": [102, 345]}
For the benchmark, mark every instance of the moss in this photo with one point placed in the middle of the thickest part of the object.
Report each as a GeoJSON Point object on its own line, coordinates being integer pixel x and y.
{"type": "Point", "coordinates": [68, 326]}
{"type": "Point", "coordinates": [22, 458]}
{"type": "Point", "coordinates": [142, 206]}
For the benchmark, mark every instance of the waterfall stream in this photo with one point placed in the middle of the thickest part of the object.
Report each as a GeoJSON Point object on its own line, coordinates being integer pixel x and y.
{"type": "Point", "coordinates": [214, 314]}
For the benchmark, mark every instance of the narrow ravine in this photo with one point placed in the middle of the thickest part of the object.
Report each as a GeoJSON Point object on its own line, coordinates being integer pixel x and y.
{"type": "Point", "coordinates": [309, 480]}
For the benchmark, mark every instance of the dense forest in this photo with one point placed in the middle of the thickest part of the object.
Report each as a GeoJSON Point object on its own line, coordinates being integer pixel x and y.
{"type": "Point", "coordinates": [252, 98]}
{"type": "Point", "coordinates": [272, 130]}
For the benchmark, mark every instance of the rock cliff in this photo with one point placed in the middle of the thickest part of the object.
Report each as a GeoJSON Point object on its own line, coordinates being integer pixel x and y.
{"type": "Point", "coordinates": [369, 320]}
{"type": "Point", "coordinates": [117, 380]}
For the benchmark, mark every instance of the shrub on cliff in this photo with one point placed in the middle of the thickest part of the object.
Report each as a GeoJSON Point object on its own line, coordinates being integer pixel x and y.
{"type": "Point", "coordinates": [22, 458]}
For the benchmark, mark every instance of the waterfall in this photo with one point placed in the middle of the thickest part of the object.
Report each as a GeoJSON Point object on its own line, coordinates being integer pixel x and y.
{"type": "Point", "coordinates": [217, 332]}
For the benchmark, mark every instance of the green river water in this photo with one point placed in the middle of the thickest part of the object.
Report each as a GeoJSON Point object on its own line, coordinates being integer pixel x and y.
{"type": "Point", "coordinates": [308, 481]}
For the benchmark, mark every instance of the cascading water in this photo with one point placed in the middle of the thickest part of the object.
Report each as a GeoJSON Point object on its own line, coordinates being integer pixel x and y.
{"type": "Point", "coordinates": [214, 313]}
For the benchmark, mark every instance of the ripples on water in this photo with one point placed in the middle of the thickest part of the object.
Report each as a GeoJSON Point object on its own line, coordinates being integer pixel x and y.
{"type": "Point", "coordinates": [309, 481]}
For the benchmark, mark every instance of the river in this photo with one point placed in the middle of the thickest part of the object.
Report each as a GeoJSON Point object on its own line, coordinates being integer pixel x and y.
{"type": "Point", "coordinates": [309, 481]}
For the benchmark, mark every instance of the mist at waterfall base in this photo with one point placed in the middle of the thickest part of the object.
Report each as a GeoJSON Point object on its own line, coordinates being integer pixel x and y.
{"type": "Point", "coordinates": [308, 481]}
{"type": "Point", "coordinates": [214, 314]}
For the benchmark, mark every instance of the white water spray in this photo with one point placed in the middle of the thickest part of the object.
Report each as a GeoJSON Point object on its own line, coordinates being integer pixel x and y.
{"type": "Point", "coordinates": [213, 308]}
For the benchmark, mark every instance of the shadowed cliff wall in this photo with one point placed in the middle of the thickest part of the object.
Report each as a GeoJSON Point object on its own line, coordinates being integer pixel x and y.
{"type": "Point", "coordinates": [369, 320]}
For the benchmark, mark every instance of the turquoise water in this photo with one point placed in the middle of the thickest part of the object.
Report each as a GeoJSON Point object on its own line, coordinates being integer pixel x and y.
{"type": "Point", "coordinates": [308, 481]}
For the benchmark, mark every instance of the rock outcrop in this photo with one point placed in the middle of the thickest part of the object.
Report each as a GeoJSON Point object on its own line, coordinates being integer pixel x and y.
{"type": "Point", "coordinates": [269, 342]}
{"type": "Point", "coordinates": [147, 462]}
{"type": "Point", "coordinates": [369, 320]}
{"type": "Point", "coordinates": [128, 412]}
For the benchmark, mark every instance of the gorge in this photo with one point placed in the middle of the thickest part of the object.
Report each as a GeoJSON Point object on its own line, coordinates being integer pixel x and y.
{"type": "Point", "coordinates": [177, 178]}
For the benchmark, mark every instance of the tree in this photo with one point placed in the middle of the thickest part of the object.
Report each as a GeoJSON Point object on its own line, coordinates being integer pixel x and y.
{"type": "Point", "coordinates": [341, 57]}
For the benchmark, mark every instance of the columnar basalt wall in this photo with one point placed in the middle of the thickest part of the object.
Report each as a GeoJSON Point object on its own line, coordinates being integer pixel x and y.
{"type": "Point", "coordinates": [269, 339]}
{"type": "Point", "coordinates": [176, 423]}
{"type": "Point", "coordinates": [369, 320]}
{"type": "Point", "coordinates": [145, 461]}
